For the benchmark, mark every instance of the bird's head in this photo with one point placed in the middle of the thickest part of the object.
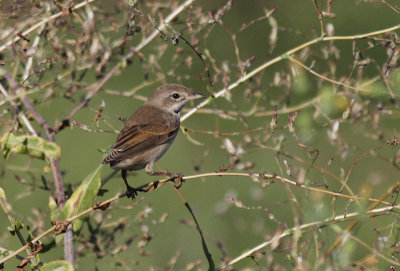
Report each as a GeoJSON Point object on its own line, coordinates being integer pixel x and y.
{"type": "Point", "coordinates": [172, 97]}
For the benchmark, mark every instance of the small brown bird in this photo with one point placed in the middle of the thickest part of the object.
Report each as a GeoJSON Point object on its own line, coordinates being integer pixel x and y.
{"type": "Point", "coordinates": [149, 132]}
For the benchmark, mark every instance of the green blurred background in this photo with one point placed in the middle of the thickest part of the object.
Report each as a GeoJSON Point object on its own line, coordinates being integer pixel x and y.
{"type": "Point", "coordinates": [223, 224]}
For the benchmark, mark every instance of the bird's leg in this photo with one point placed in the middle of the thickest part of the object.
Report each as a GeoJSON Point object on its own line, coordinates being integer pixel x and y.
{"type": "Point", "coordinates": [131, 192]}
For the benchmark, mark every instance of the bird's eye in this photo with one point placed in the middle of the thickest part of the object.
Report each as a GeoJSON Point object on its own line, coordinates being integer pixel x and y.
{"type": "Point", "coordinates": [175, 96]}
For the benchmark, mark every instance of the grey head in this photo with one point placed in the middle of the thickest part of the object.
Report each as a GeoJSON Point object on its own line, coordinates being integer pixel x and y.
{"type": "Point", "coordinates": [172, 97]}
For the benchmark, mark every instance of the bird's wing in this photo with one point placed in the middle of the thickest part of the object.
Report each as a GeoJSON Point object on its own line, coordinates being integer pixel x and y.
{"type": "Point", "coordinates": [136, 138]}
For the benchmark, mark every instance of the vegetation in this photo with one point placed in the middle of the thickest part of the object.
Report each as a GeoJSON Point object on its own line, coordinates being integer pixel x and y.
{"type": "Point", "coordinates": [292, 160]}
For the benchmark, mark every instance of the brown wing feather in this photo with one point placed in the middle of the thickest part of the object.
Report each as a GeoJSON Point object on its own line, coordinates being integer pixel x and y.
{"type": "Point", "coordinates": [141, 134]}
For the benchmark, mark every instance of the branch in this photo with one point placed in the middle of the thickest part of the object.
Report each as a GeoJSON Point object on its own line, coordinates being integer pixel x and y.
{"type": "Point", "coordinates": [317, 225]}
{"type": "Point", "coordinates": [103, 204]}
{"type": "Point", "coordinates": [323, 77]}
{"type": "Point", "coordinates": [59, 186]}
{"type": "Point", "coordinates": [282, 57]}
{"type": "Point", "coordinates": [153, 185]}
{"type": "Point", "coordinates": [133, 51]}
{"type": "Point", "coordinates": [42, 22]}
{"type": "Point", "coordinates": [4, 204]}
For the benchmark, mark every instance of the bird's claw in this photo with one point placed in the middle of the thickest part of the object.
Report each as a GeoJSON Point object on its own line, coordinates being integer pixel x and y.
{"type": "Point", "coordinates": [131, 192]}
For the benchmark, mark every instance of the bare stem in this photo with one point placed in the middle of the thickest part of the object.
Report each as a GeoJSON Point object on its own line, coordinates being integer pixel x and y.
{"type": "Point", "coordinates": [316, 225]}
{"type": "Point", "coordinates": [152, 185]}
{"type": "Point", "coordinates": [42, 22]}
{"type": "Point", "coordinates": [282, 57]}
{"type": "Point", "coordinates": [126, 57]}
{"type": "Point", "coordinates": [3, 204]}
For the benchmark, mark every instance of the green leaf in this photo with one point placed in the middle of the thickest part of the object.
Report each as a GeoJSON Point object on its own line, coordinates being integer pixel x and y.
{"type": "Point", "coordinates": [191, 139]}
{"type": "Point", "coordinates": [54, 210]}
{"type": "Point", "coordinates": [82, 198]}
{"type": "Point", "coordinates": [2, 193]}
{"type": "Point", "coordinates": [16, 225]}
{"type": "Point", "coordinates": [59, 265]}
{"type": "Point", "coordinates": [26, 144]}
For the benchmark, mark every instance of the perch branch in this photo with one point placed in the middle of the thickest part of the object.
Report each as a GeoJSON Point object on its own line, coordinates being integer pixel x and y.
{"type": "Point", "coordinates": [152, 185]}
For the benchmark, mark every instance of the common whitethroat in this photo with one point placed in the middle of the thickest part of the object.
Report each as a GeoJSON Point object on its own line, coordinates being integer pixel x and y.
{"type": "Point", "coordinates": [149, 132]}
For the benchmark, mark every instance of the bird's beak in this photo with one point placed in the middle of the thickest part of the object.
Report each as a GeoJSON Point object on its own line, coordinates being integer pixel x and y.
{"type": "Point", "coordinates": [195, 96]}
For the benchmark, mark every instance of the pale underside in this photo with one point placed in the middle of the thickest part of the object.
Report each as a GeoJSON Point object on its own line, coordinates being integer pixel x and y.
{"type": "Point", "coordinates": [144, 139]}
{"type": "Point", "coordinates": [142, 160]}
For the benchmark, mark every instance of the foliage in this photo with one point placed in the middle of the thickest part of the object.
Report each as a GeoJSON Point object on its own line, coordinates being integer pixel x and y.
{"type": "Point", "coordinates": [34, 146]}
{"type": "Point", "coordinates": [291, 161]}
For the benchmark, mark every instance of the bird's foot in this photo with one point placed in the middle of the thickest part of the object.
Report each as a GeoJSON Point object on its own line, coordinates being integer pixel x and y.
{"type": "Point", "coordinates": [131, 192]}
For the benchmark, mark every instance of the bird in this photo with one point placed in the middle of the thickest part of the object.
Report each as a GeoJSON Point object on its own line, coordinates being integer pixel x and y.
{"type": "Point", "coordinates": [149, 132]}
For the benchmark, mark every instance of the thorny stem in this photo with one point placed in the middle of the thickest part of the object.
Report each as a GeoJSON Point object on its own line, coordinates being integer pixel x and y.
{"type": "Point", "coordinates": [50, 133]}
{"type": "Point", "coordinates": [58, 182]}
{"type": "Point", "coordinates": [282, 57]}
{"type": "Point", "coordinates": [68, 239]}
{"type": "Point", "coordinates": [316, 225]}
{"type": "Point", "coordinates": [324, 77]}
{"type": "Point", "coordinates": [355, 222]}
{"type": "Point", "coordinates": [68, 247]}
{"type": "Point", "coordinates": [152, 185]}
{"type": "Point", "coordinates": [204, 103]}
{"type": "Point", "coordinates": [4, 250]}
{"type": "Point", "coordinates": [50, 230]}
{"type": "Point", "coordinates": [127, 56]}
{"type": "Point", "coordinates": [3, 204]}
{"type": "Point", "coordinates": [282, 111]}
{"type": "Point", "coordinates": [42, 22]}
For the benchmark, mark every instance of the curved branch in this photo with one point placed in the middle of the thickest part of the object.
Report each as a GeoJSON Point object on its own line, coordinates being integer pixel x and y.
{"type": "Point", "coordinates": [134, 50]}
{"type": "Point", "coordinates": [153, 185]}
{"type": "Point", "coordinates": [315, 224]}
{"type": "Point", "coordinates": [282, 57]}
{"type": "Point", "coordinates": [42, 22]}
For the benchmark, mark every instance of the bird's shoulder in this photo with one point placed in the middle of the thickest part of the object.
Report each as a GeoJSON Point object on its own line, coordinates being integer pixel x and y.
{"type": "Point", "coordinates": [152, 115]}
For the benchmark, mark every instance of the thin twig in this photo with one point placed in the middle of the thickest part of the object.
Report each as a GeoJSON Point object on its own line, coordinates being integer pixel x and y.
{"type": "Point", "coordinates": [25, 120]}
{"type": "Point", "coordinates": [4, 204]}
{"type": "Point", "coordinates": [207, 254]}
{"type": "Point", "coordinates": [69, 220]}
{"type": "Point", "coordinates": [42, 22]}
{"type": "Point", "coordinates": [6, 251]}
{"type": "Point", "coordinates": [355, 222]}
{"type": "Point", "coordinates": [319, 15]}
{"type": "Point", "coordinates": [280, 58]}
{"type": "Point", "coordinates": [133, 51]}
{"type": "Point", "coordinates": [89, 95]}
{"type": "Point", "coordinates": [58, 183]}
{"type": "Point", "coordinates": [324, 77]}
{"type": "Point", "coordinates": [374, 251]}
{"type": "Point", "coordinates": [317, 225]}
{"type": "Point", "coordinates": [152, 185]}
